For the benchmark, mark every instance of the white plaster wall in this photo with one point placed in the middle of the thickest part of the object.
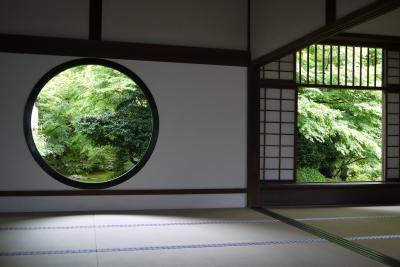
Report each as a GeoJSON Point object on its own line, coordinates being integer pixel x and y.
{"type": "Point", "coordinates": [275, 23]}
{"type": "Point", "coordinates": [202, 137]}
{"type": "Point", "coordinates": [202, 23]}
{"type": "Point", "coordinates": [55, 18]}
{"type": "Point", "coordinates": [198, 23]}
{"type": "Point", "coordinates": [345, 7]}
{"type": "Point", "coordinates": [109, 203]}
{"type": "Point", "coordinates": [387, 24]}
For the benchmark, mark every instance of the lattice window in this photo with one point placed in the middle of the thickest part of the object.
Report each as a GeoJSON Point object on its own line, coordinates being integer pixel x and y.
{"type": "Point", "coordinates": [323, 66]}
{"type": "Point", "coordinates": [339, 66]}
{"type": "Point", "coordinates": [281, 69]}
{"type": "Point", "coordinates": [393, 67]}
{"type": "Point", "coordinates": [277, 134]}
{"type": "Point", "coordinates": [392, 135]}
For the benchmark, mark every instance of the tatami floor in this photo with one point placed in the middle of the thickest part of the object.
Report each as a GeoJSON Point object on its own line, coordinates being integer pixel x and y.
{"type": "Point", "coordinates": [215, 237]}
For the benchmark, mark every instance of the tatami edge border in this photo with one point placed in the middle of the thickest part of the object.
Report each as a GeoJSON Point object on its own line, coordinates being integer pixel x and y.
{"type": "Point", "coordinates": [343, 242]}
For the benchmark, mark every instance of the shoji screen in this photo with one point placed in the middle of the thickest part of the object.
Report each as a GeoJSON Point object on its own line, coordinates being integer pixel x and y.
{"type": "Point", "coordinates": [281, 69]}
{"type": "Point", "coordinates": [278, 100]}
{"type": "Point", "coordinates": [393, 68]}
{"type": "Point", "coordinates": [393, 116]}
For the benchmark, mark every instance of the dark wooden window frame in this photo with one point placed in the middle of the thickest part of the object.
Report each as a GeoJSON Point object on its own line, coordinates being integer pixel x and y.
{"type": "Point", "coordinates": [349, 80]}
{"type": "Point", "coordinates": [382, 88]}
{"type": "Point", "coordinates": [291, 193]}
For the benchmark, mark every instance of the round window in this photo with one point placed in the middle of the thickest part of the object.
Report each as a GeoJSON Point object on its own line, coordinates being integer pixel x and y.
{"type": "Point", "coordinates": [91, 123]}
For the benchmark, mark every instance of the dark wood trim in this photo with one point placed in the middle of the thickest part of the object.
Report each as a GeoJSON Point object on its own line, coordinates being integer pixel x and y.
{"type": "Point", "coordinates": [121, 50]}
{"type": "Point", "coordinates": [343, 87]}
{"type": "Point", "coordinates": [122, 192]}
{"type": "Point", "coordinates": [384, 113]}
{"type": "Point", "coordinates": [365, 40]}
{"type": "Point", "coordinates": [275, 83]}
{"type": "Point", "coordinates": [355, 247]}
{"type": "Point", "coordinates": [393, 88]}
{"type": "Point", "coordinates": [253, 125]}
{"type": "Point", "coordinates": [384, 135]}
{"type": "Point", "coordinates": [330, 11]}
{"type": "Point", "coordinates": [330, 194]}
{"type": "Point", "coordinates": [95, 19]}
{"type": "Point", "coordinates": [249, 28]}
{"type": "Point", "coordinates": [318, 186]}
{"type": "Point", "coordinates": [361, 15]}
{"type": "Point", "coordinates": [296, 135]}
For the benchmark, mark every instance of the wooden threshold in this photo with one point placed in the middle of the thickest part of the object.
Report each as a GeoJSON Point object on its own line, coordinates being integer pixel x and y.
{"type": "Point", "coordinates": [49, 193]}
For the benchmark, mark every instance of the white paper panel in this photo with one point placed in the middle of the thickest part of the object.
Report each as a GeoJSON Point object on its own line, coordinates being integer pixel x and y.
{"type": "Point", "coordinates": [288, 105]}
{"type": "Point", "coordinates": [273, 116]}
{"type": "Point", "coordinates": [273, 104]}
{"type": "Point", "coordinates": [287, 151]}
{"type": "Point", "coordinates": [393, 129]}
{"type": "Point", "coordinates": [288, 94]}
{"type": "Point", "coordinates": [393, 141]}
{"type": "Point", "coordinates": [273, 128]}
{"type": "Point", "coordinates": [287, 175]}
{"type": "Point", "coordinates": [393, 80]}
{"type": "Point", "coordinates": [393, 162]}
{"type": "Point", "coordinates": [287, 163]}
{"type": "Point", "coordinates": [392, 173]}
{"type": "Point", "coordinates": [393, 108]}
{"type": "Point", "coordinates": [272, 175]}
{"type": "Point", "coordinates": [273, 93]}
{"type": "Point", "coordinates": [288, 116]}
{"type": "Point", "coordinates": [286, 76]}
{"type": "Point", "coordinates": [271, 163]}
{"type": "Point", "coordinates": [393, 152]}
{"type": "Point", "coordinates": [271, 75]}
{"type": "Point", "coordinates": [391, 97]}
{"type": "Point", "coordinates": [287, 128]}
{"type": "Point", "coordinates": [272, 151]}
{"type": "Point", "coordinates": [272, 140]}
{"type": "Point", "coordinates": [287, 140]}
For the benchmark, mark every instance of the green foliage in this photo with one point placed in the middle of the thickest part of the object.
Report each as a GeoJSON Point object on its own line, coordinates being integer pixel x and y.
{"type": "Point", "coordinates": [340, 133]}
{"type": "Point", "coordinates": [126, 128]}
{"type": "Point", "coordinates": [316, 61]}
{"type": "Point", "coordinates": [340, 130]}
{"type": "Point", "coordinates": [92, 120]}
{"type": "Point", "coordinates": [307, 175]}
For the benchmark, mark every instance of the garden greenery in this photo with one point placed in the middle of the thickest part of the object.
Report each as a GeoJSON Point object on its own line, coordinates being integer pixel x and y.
{"type": "Point", "coordinates": [339, 130]}
{"type": "Point", "coordinates": [339, 134]}
{"type": "Point", "coordinates": [91, 123]}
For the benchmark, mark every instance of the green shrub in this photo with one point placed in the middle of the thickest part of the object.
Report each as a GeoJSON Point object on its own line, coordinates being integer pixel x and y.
{"type": "Point", "coordinates": [309, 175]}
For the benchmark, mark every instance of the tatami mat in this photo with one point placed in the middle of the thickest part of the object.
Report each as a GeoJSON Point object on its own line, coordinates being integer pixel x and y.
{"type": "Point", "coordinates": [377, 228]}
{"type": "Point", "coordinates": [325, 254]}
{"type": "Point", "coordinates": [219, 237]}
{"type": "Point", "coordinates": [339, 212]}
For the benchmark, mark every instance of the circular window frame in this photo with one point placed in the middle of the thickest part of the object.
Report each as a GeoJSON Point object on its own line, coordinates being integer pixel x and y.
{"type": "Point", "coordinates": [28, 114]}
